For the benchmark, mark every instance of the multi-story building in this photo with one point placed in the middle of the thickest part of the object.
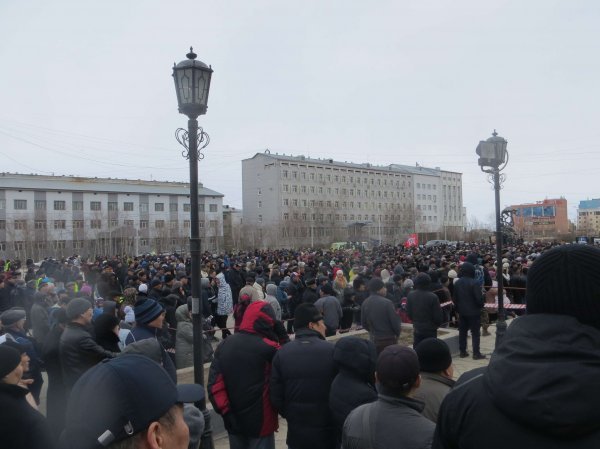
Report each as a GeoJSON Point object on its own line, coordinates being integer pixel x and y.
{"type": "Point", "coordinates": [547, 219]}
{"type": "Point", "coordinates": [295, 201]}
{"type": "Point", "coordinates": [438, 201]}
{"type": "Point", "coordinates": [232, 228]}
{"type": "Point", "coordinates": [57, 215]}
{"type": "Point", "coordinates": [588, 217]}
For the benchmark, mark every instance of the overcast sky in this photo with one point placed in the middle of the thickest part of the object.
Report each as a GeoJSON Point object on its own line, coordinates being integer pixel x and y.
{"type": "Point", "coordinates": [86, 88]}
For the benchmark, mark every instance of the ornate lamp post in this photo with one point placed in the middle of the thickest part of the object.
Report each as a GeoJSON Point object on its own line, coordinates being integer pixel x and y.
{"type": "Point", "coordinates": [493, 157]}
{"type": "Point", "coordinates": [192, 83]}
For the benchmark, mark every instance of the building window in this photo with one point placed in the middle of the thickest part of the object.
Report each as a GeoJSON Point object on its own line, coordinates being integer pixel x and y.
{"type": "Point", "coordinates": [2, 224]}
{"type": "Point", "coordinates": [143, 224]}
{"type": "Point", "coordinates": [2, 204]}
{"type": "Point", "coordinates": [77, 224]}
{"type": "Point", "coordinates": [159, 207]}
{"type": "Point", "coordinates": [113, 206]}
{"type": "Point", "coordinates": [128, 223]}
{"type": "Point", "coordinates": [200, 207]}
{"type": "Point", "coordinates": [144, 242]}
{"type": "Point", "coordinates": [77, 205]}
{"type": "Point", "coordinates": [60, 224]}
{"type": "Point", "coordinates": [201, 224]}
{"type": "Point", "coordinates": [259, 191]}
{"type": "Point", "coordinates": [144, 207]}
{"type": "Point", "coordinates": [173, 207]}
{"type": "Point", "coordinates": [60, 205]}
{"type": "Point", "coordinates": [286, 216]}
{"type": "Point", "coordinates": [128, 206]}
{"type": "Point", "coordinates": [96, 224]}
{"type": "Point", "coordinates": [60, 244]}
{"type": "Point", "coordinates": [20, 224]}
{"type": "Point", "coordinates": [39, 224]}
{"type": "Point", "coordinates": [186, 224]}
{"type": "Point", "coordinates": [159, 224]}
{"type": "Point", "coordinates": [39, 204]}
{"type": "Point", "coordinates": [20, 204]}
{"type": "Point", "coordinates": [212, 208]}
{"type": "Point", "coordinates": [260, 218]}
{"type": "Point", "coordinates": [19, 246]}
{"type": "Point", "coordinates": [286, 202]}
{"type": "Point", "coordinates": [77, 244]}
{"type": "Point", "coordinates": [187, 207]}
{"type": "Point", "coordinates": [174, 224]}
{"type": "Point", "coordinates": [113, 224]}
{"type": "Point", "coordinates": [259, 204]}
{"type": "Point", "coordinates": [95, 205]}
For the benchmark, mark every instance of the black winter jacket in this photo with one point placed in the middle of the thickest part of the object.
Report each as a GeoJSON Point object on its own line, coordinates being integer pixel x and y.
{"type": "Point", "coordinates": [79, 352]}
{"type": "Point", "coordinates": [21, 426]}
{"type": "Point", "coordinates": [300, 381]}
{"type": "Point", "coordinates": [238, 382]}
{"type": "Point", "coordinates": [423, 308]}
{"type": "Point", "coordinates": [466, 294]}
{"type": "Point", "coordinates": [354, 384]}
{"type": "Point", "coordinates": [542, 388]}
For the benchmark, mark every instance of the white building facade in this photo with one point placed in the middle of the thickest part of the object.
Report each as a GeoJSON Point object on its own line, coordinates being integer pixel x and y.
{"type": "Point", "coordinates": [53, 216]}
{"type": "Point", "coordinates": [291, 201]}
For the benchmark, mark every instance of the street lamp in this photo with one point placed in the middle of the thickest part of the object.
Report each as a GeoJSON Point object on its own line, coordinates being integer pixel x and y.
{"type": "Point", "coordinates": [192, 83]}
{"type": "Point", "coordinates": [493, 158]}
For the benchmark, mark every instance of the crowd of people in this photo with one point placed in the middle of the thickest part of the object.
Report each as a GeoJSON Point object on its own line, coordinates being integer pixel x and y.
{"type": "Point", "coordinates": [273, 311]}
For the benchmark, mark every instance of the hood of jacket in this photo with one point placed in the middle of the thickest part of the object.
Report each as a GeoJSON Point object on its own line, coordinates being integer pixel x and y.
{"type": "Point", "coordinates": [357, 356]}
{"type": "Point", "coordinates": [181, 314]}
{"type": "Point", "coordinates": [466, 269]}
{"type": "Point", "coordinates": [259, 318]}
{"type": "Point", "coordinates": [545, 375]}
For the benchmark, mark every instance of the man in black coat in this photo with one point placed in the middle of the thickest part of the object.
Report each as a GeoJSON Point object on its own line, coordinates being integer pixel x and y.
{"type": "Point", "coordinates": [423, 308]}
{"type": "Point", "coordinates": [468, 299]}
{"type": "Point", "coordinates": [300, 381]}
{"type": "Point", "coordinates": [78, 350]}
{"type": "Point", "coordinates": [541, 385]}
{"type": "Point", "coordinates": [238, 383]}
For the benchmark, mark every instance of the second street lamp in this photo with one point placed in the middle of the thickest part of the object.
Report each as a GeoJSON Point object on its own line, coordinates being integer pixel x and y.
{"type": "Point", "coordinates": [493, 158]}
{"type": "Point", "coordinates": [192, 84]}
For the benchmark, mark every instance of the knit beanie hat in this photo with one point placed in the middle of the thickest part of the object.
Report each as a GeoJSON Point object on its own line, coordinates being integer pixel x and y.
{"type": "Point", "coordinates": [77, 307]}
{"type": "Point", "coordinates": [566, 281]}
{"type": "Point", "coordinates": [146, 311]}
{"type": "Point", "coordinates": [434, 355]}
{"type": "Point", "coordinates": [9, 360]}
{"type": "Point", "coordinates": [195, 422]}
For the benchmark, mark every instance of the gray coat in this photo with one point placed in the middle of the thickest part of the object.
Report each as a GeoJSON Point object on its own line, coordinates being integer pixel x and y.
{"type": "Point", "coordinates": [432, 391]}
{"type": "Point", "coordinates": [395, 422]}
{"type": "Point", "coordinates": [379, 317]}
{"type": "Point", "coordinates": [184, 343]}
{"type": "Point", "coordinates": [331, 309]}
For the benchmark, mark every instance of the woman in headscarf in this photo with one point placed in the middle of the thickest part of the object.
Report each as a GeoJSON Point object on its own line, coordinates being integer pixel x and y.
{"type": "Point", "coordinates": [224, 305]}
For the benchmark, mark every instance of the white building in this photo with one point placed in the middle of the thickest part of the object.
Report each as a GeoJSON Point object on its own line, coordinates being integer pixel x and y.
{"type": "Point", "coordinates": [59, 215]}
{"type": "Point", "coordinates": [291, 201]}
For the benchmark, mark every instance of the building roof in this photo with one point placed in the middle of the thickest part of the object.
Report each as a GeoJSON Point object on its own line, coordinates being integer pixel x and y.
{"type": "Point", "coordinates": [101, 185]}
{"type": "Point", "coordinates": [407, 169]}
{"type": "Point", "coordinates": [590, 204]}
